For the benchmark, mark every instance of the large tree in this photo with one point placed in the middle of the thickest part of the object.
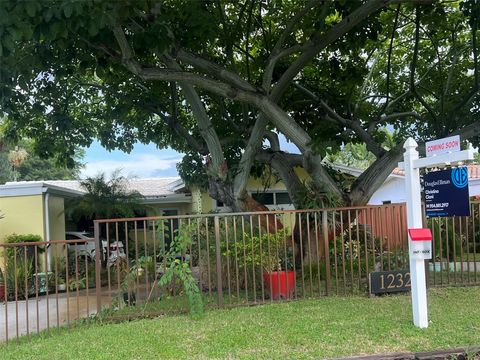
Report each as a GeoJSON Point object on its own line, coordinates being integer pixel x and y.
{"type": "Point", "coordinates": [20, 162]}
{"type": "Point", "coordinates": [215, 78]}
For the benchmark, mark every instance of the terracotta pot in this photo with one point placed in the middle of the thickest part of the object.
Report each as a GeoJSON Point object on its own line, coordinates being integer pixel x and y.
{"type": "Point", "coordinates": [280, 284]}
{"type": "Point", "coordinates": [2, 291]}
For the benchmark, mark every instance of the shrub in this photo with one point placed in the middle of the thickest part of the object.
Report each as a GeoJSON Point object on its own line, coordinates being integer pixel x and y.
{"type": "Point", "coordinates": [20, 265]}
{"type": "Point", "coordinates": [176, 267]}
{"type": "Point", "coordinates": [15, 277]}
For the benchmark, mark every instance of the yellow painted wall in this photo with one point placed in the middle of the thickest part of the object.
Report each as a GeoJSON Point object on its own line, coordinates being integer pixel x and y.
{"type": "Point", "coordinates": [254, 185]}
{"type": "Point", "coordinates": [23, 215]}
{"type": "Point", "coordinates": [157, 209]}
{"type": "Point", "coordinates": [56, 217]}
{"type": "Point", "coordinates": [207, 203]}
{"type": "Point", "coordinates": [259, 185]}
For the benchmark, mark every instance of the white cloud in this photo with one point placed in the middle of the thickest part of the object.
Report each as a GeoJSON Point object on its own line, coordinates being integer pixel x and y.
{"type": "Point", "coordinates": [140, 165]}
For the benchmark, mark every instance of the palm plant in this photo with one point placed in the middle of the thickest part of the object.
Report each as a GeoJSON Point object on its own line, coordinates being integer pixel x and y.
{"type": "Point", "coordinates": [106, 198]}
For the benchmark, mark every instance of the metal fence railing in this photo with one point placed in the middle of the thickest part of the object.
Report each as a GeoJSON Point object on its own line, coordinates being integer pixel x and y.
{"type": "Point", "coordinates": [45, 285]}
{"type": "Point", "coordinates": [235, 259]}
{"type": "Point", "coordinates": [260, 257]}
{"type": "Point", "coordinates": [456, 249]}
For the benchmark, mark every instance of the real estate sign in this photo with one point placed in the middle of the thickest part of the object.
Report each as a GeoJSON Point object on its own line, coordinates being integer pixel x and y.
{"type": "Point", "coordinates": [446, 193]}
{"type": "Point", "coordinates": [442, 146]}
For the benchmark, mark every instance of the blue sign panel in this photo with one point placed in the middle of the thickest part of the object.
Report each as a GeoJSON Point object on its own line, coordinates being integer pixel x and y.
{"type": "Point", "coordinates": [446, 193]}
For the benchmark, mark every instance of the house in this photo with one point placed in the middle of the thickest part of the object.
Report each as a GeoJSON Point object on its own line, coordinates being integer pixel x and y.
{"type": "Point", "coordinates": [37, 207]}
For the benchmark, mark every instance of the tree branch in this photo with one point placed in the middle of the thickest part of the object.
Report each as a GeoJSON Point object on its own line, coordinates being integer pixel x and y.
{"type": "Point", "coordinates": [363, 135]}
{"type": "Point", "coordinates": [164, 74]}
{"type": "Point", "coordinates": [321, 41]}
{"type": "Point", "coordinates": [389, 59]}
{"type": "Point", "coordinates": [204, 124]}
{"type": "Point", "coordinates": [413, 88]}
{"type": "Point", "coordinates": [468, 131]}
{"type": "Point", "coordinates": [272, 138]}
{"type": "Point", "coordinates": [283, 165]}
{"type": "Point", "coordinates": [248, 157]}
{"type": "Point", "coordinates": [277, 53]}
{"type": "Point", "coordinates": [214, 69]}
{"type": "Point", "coordinates": [371, 179]}
{"type": "Point", "coordinates": [399, 115]}
{"type": "Point", "coordinates": [471, 95]}
{"type": "Point", "coordinates": [183, 133]}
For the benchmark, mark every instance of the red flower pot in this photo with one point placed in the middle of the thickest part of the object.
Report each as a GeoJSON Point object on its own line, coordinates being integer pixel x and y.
{"type": "Point", "coordinates": [281, 284]}
{"type": "Point", "coordinates": [2, 291]}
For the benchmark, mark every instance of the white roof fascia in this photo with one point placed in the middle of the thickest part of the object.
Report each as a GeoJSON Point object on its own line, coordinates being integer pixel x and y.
{"type": "Point", "coordinates": [13, 189]}
{"type": "Point", "coordinates": [163, 199]}
{"type": "Point", "coordinates": [58, 190]}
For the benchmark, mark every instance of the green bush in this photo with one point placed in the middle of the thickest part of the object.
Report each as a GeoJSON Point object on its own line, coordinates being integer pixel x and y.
{"type": "Point", "coordinates": [22, 238]}
{"type": "Point", "coordinates": [20, 265]}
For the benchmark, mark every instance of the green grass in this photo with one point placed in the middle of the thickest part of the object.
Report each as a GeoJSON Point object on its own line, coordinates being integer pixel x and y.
{"type": "Point", "coordinates": [329, 327]}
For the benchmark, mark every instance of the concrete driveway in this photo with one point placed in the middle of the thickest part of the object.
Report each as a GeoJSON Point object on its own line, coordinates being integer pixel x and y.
{"type": "Point", "coordinates": [32, 316]}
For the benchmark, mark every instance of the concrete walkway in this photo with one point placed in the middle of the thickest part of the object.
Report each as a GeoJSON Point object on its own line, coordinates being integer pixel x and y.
{"type": "Point", "coordinates": [28, 317]}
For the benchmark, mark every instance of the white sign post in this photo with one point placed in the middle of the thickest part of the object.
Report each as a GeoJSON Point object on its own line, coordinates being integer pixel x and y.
{"type": "Point", "coordinates": [412, 165]}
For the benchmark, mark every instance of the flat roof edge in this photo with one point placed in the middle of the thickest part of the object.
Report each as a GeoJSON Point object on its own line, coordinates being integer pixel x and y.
{"type": "Point", "coordinates": [35, 188]}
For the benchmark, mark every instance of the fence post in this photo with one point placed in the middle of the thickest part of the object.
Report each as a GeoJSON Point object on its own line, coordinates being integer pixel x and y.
{"type": "Point", "coordinates": [327, 251]}
{"type": "Point", "coordinates": [218, 253]}
{"type": "Point", "coordinates": [98, 253]}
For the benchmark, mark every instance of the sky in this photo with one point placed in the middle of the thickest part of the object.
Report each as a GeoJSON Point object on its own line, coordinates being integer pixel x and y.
{"type": "Point", "coordinates": [145, 161]}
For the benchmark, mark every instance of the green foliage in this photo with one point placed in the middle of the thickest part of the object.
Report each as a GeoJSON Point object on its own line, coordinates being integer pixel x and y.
{"type": "Point", "coordinates": [317, 197]}
{"type": "Point", "coordinates": [447, 237]}
{"type": "Point", "coordinates": [178, 268]}
{"type": "Point", "coordinates": [34, 167]}
{"type": "Point", "coordinates": [59, 266]}
{"type": "Point", "coordinates": [20, 266]}
{"type": "Point", "coordinates": [105, 198]}
{"type": "Point", "coordinates": [70, 87]}
{"type": "Point", "coordinates": [22, 238]}
{"type": "Point", "coordinates": [6, 173]}
{"type": "Point", "coordinates": [266, 251]}
{"type": "Point", "coordinates": [78, 265]}
{"type": "Point", "coordinates": [19, 278]}
{"type": "Point", "coordinates": [74, 284]}
{"type": "Point", "coordinates": [353, 253]}
{"type": "Point", "coordinates": [353, 155]}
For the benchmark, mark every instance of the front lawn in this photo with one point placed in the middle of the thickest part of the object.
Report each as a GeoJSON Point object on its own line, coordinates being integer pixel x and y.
{"type": "Point", "coordinates": [329, 327]}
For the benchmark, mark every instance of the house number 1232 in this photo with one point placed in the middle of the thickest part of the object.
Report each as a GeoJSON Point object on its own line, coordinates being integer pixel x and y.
{"type": "Point", "coordinates": [389, 281]}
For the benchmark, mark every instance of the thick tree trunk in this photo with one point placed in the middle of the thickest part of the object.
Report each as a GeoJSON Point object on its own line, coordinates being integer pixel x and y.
{"type": "Point", "coordinates": [285, 167]}
{"type": "Point", "coordinates": [372, 178]}
{"type": "Point", "coordinates": [224, 193]}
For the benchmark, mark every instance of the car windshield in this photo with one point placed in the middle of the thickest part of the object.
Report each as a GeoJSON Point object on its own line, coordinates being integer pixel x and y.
{"type": "Point", "coordinates": [89, 234]}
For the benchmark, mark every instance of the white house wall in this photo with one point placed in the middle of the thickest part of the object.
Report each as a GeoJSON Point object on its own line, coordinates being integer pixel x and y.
{"type": "Point", "coordinates": [474, 187]}
{"type": "Point", "coordinates": [393, 190]}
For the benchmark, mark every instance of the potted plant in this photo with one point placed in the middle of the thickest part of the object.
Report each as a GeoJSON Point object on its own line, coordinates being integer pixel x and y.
{"type": "Point", "coordinates": [61, 285]}
{"type": "Point", "coordinates": [279, 276]}
{"type": "Point", "coordinates": [60, 273]}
